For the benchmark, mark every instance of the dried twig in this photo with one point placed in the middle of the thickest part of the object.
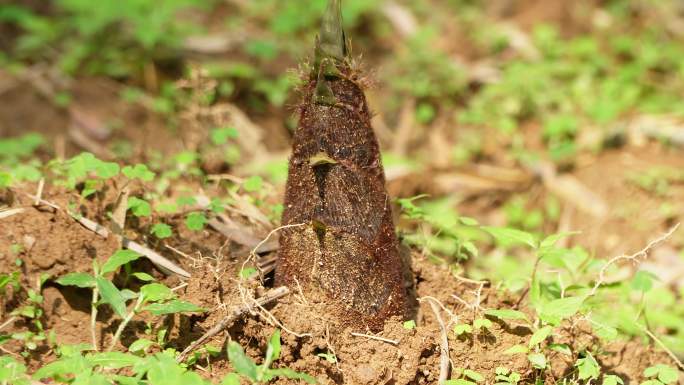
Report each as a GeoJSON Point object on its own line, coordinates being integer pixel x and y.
{"type": "Point", "coordinates": [103, 232]}
{"type": "Point", "coordinates": [118, 223]}
{"type": "Point", "coordinates": [444, 361]}
{"type": "Point", "coordinates": [155, 257]}
{"type": "Point", "coordinates": [233, 230]}
{"type": "Point", "coordinates": [39, 192]}
{"type": "Point", "coordinates": [8, 322]}
{"type": "Point", "coordinates": [665, 348]}
{"type": "Point", "coordinates": [636, 257]}
{"type": "Point", "coordinates": [236, 313]}
{"type": "Point", "coordinates": [240, 236]}
{"type": "Point", "coordinates": [377, 338]}
{"type": "Point", "coordinates": [454, 317]}
{"type": "Point", "coordinates": [8, 213]}
{"type": "Point", "coordinates": [152, 255]}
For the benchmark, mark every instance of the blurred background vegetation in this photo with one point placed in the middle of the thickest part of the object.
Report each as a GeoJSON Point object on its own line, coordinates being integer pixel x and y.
{"type": "Point", "coordinates": [542, 115]}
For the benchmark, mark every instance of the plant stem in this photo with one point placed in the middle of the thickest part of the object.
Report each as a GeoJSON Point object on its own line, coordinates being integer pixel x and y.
{"type": "Point", "coordinates": [93, 318]}
{"type": "Point", "coordinates": [532, 281]}
{"type": "Point", "coordinates": [125, 322]}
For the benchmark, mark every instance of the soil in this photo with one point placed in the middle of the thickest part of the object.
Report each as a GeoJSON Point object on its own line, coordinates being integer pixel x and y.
{"type": "Point", "coordinates": [54, 244]}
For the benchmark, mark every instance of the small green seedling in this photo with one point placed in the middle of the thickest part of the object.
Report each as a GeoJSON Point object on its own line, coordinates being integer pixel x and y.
{"type": "Point", "coordinates": [482, 324]}
{"type": "Point", "coordinates": [161, 230]}
{"type": "Point", "coordinates": [331, 358]}
{"type": "Point", "coordinates": [263, 373]}
{"type": "Point", "coordinates": [195, 221]}
{"type": "Point", "coordinates": [9, 280]}
{"type": "Point", "coordinates": [86, 168]}
{"type": "Point", "coordinates": [538, 360]}
{"type": "Point", "coordinates": [32, 311]}
{"type": "Point", "coordinates": [611, 379]}
{"type": "Point", "coordinates": [139, 171]}
{"type": "Point", "coordinates": [219, 136]}
{"type": "Point", "coordinates": [463, 329]}
{"type": "Point", "coordinates": [505, 376]}
{"type": "Point", "coordinates": [660, 375]}
{"type": "Point", "coordinates": [409, 325]}
{"type": "Point", "coordinates": [465, 377]}
{"type": "Point", "coordinates": [588, 368]}
{"type": "Point", "coordinates": [154, 298]}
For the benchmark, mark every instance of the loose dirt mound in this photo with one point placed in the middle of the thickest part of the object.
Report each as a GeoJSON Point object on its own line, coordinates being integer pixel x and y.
{"type": "Point", "coordinates": [52, 243]}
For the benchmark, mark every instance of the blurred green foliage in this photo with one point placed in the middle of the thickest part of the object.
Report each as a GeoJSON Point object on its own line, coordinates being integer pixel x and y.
{"type": "Point", "coordinates": [113, 37]}
{"type": "Point", "coordinates": [566, 82]}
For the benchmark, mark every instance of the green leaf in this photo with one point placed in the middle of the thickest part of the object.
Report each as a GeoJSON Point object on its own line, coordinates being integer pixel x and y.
{"type": "Point", "coordinates": [473, 375]}
{"type": "Point", "coordinates": [128, 294]}
{"type": "Point", "coordinates": [140, 345]}
{"type": "Point", "coordinates": [502, 371]}
{"type": "Point", "coordinates": [231, 379]}
{"type": "Point", "coordinates": [63, 367]}
{"type": "Point", "coordinates": [605, 332]}
{"type": "Point", "coordinates": [118, 259]}
{"type": "Point", "coordinates": [611, 379]}
{"type": "Point", "coordinates": [241, 363]}
{"type": "Point", "coordinates": [161, 230]}
{"type": "Point", "coordinates": [538, 360]}
{"type": "Point", "coordinates": [467, 221]}
{"type": "Point", "coordinates": [123, 380]}
{"type": "Point", "coordinates": [273, 349]}
{"type": "Point", "coordinates": [156, 292]}
{"type": "Point", "coordinates": [253, 183]}
{"type": "Point", "coordinates": [247, 272]}
{"type": "Point", "coordinates": [82, 280]}
{"type": "Point", "coordinates": [517, 349]}
{"type": "Point", "coordinates": [172, 307]}
{"type": "Point", "coordinates": [409, 325]}
{"type": "Point", "coordinates": [587, 367]}
{"type": "Point", "coordinates": [111, 296]}
{"type": "Point", "coordinates": [139, 207]}
{"type": "Point", "coordinates": [195, 221]}
{"type": "Point", "coordinates": [186, 201]}
{"type": "Point", "coordinates": [112, 360]}
{"type": "Point", "coordinates": [540, 335]}
{"type": "Point", "coordinates": [481, 323]}
{"type": "Point", "coordinates": [561, 348]}
{"type": "Point", "coordinates": [667, 374]}
{"type": "Point", "coordinates": [139, 171]}
{"type": "Point", "coordinates": [552, 239]}
{"type": "Point", "coordinates": [220, 136]}
{"type": "Point", "coordinates": [106, 170]}
{"type": "Point", "coordinates": [643, 281]}
{"type": "Point", "coordinates": [73, 350]}
{"type": "Point", "coordinates": [462, 328]}
{"type": "Point", "coordinates": [163, 370]}
{"type": "Point", "coordinates": [470, 248]}
{"type": "Point", "coordinates": [143, 277]}
{"type": "Point", "coordinates": [508, 236]}
{"type": "Point", "coordinates": [507, 314]}
{"type": "Point", "coordinates": [651, 371]}
{"type": "Point", "coordinates": [651, 382]}
{"type": "Point", "coordinates": [12, 372]}
{"type": "Point", "coordinates": [459, 381]}
{"type": "Point", "coordinates": [167, 207]}
{"type": "Point", "coordinates": [555, 311]}
{"type": "Point", "coordinates": [5, 180]}
{"type": "Point", "coordinates": [328, 357]}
